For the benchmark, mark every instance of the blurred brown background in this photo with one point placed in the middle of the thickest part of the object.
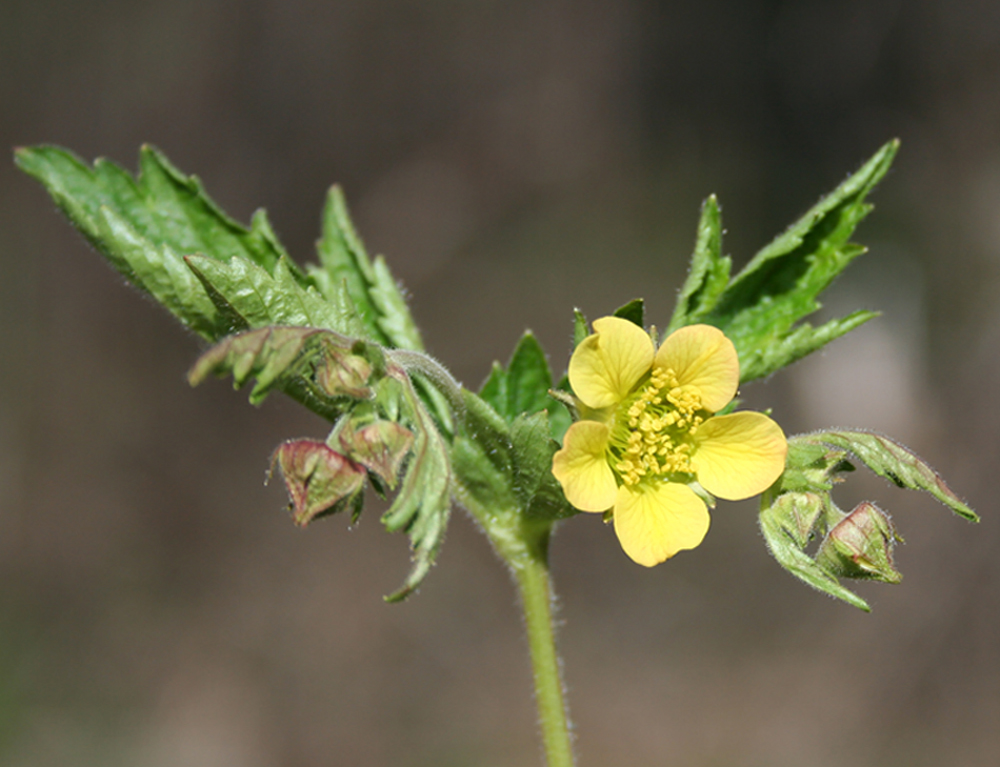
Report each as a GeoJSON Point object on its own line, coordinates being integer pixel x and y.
{"type": "Point", "coordinates": [513, 160]}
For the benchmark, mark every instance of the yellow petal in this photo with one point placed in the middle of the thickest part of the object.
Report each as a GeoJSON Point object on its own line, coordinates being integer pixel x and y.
{"type": "Point", "coordinates": [702, 356]}
{"type": "Point", "coordinates": [581, 467]}
{"type": "Point", "coordinates": [655, 522]}
{"type": "Point", "coordinates": [739, 455]}
{"type": "Point", "coordinates": [606, 365]}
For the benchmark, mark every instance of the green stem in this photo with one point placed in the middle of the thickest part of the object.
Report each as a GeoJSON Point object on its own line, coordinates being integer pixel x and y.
{"type": "Point", "coordinates": [531, 572]}
{"type": "Point", "coordinates": [524, 546]}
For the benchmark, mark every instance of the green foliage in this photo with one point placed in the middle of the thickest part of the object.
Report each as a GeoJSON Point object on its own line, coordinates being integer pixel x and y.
{"type": "Point", "coordinates": [339, 338]}
{"type": "Point", "coordinates": [507, 466]}
{"type": "Point", "coordinates": [168, 238]}
{"type": "Point", "coordinates": [374, 294]}
{"type": "Point", "coordinates": [799, 510]}
{"type": "Point", "coordinates": [633, 311]}
{"type": "Point", "coordinates": [241, 289]}
{"type": "Point", "coordinates": [894, 462]}
{"type": "Point", "coordinates": [709, 272]}
{"type": "Point", "coordinates": [422, 506]}
{"type": "Point", "coordinates": [760, 308]}
{"type": "Point", "coordinates": [523, 387]}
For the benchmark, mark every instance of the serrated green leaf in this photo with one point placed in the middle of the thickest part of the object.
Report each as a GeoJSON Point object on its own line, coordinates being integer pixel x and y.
{"type": "Point", "coordinates": [708, 275]}
{"type": "Point", "coordinates": [539, 493]}
{"type": "Point", "coordinates": [261, 299]}
{"type": "Point", "coordinates": [524, 385]}
{"type": "Point", "coordinates": [370, 285]}
{"type": "Point", "coordinates": [897, 463]}
{"type": "Point", "coordinates": [163, 273]}
{"type": "Point", "coordinates": [633, 311]}
{"type": "Point", "coordinates": [803, 340]}
{"type": "Point", "coordinates": [394, 315]}
{"type": "Point", "coordinates": [494, 388]}
{"type": "Point", "coordinates": [423, 505]}
{"type": "Point", "coordinates": [143, 225]}
{"type": "Point", "coordinates": [760, 307]}
{"type": "Point", "coordinates": [528, 378]}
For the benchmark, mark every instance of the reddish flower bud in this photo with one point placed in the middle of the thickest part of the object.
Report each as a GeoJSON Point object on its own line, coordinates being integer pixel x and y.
{"type": "Point", "coordinates": [344, 374]}
{"type": "Point", "coordinates": [317, 477]}
{"type": "Point", "coordinates": [380, 447]}
{"type": "Point", "coordinates": [860, 546]}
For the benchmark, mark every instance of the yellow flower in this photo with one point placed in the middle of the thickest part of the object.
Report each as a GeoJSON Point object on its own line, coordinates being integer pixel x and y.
{"type": "Point", "coordinates": [649, 432]}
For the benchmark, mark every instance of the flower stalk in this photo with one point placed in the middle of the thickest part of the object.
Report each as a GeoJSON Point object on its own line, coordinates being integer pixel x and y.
{"type": "Point", "coordinates": [534, 584]}
{"type": "Point", "coordinates": [524, 547]}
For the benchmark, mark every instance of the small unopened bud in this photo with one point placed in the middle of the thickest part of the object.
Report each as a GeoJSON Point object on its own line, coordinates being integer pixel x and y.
{"type": "Point", "coordinates": [860, 546]}
{"type": "Point", "coordinates": [380, 447]}
{"type": "Point", "coordinates": [798, 513]}
{"type": "Point", "coordinates": [342, 373]}
{"type": "Point", "coordinates": [317, 477]}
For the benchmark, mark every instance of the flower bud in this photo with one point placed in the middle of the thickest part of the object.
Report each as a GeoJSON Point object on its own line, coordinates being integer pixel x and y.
{"type": "Point", "coordinates": [860, 546]}
{"type": "Point", "coordinates": [380, 447]}
{"type": "Point", "coordinates": [798, 513]}
{"type": "Point", "coordinates": [342, 373]}
{"type": "Point", "coordinates": [318, 478]}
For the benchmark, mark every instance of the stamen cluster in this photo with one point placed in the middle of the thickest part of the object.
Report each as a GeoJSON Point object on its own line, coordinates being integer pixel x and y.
{"type": "Point", "coordinates": [659, 425]}
{"type": "Point", "coordinates": [653, 431]}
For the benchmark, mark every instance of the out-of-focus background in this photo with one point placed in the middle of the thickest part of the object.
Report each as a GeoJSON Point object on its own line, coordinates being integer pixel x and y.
{"type": "Point", "coordinates": [513, 160]}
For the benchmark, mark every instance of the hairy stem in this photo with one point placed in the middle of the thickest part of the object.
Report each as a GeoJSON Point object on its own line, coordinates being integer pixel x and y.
{"type": "Point", "coordinates": [524, 546]}
{"type": "Point", "coordinates": [534, 583]}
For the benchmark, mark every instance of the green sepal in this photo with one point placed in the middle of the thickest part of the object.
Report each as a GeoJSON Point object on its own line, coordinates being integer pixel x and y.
{"type": "Point", "coordinates": [280, 356]}
{"type": "Point", "coordinates": [895, 462]}
{"type": "Point", "coordinates": [860, 546]}
{"type": "Point", "coordinates": [381, 447]}
{"type": "Point", "coordinates": [708, 275]}
{"type": "Point", "coordinates": [761, 307]}
{"type": "Point", "coordinates": [799, 510]}
{"type": "Point", "coordinates": [485, 427]}
{"type": "Point", "coordinates": [320, 481]}
{"type": "Point", "coordinates": [581, 328]}
{"type": "Point", "coordinates": [560, 414]}
{"type": "Point", "coordinates": [479, 477]}
{"type": "Point", "coordinates": [634, 311]}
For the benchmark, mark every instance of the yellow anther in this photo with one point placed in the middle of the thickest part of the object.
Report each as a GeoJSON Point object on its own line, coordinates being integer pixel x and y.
{"type": "Point", "coordinates": [659, 421]}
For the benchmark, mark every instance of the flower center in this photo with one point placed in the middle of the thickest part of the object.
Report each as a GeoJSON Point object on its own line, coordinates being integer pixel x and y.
{"type": "Point", "coordinates": [652, 429]}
